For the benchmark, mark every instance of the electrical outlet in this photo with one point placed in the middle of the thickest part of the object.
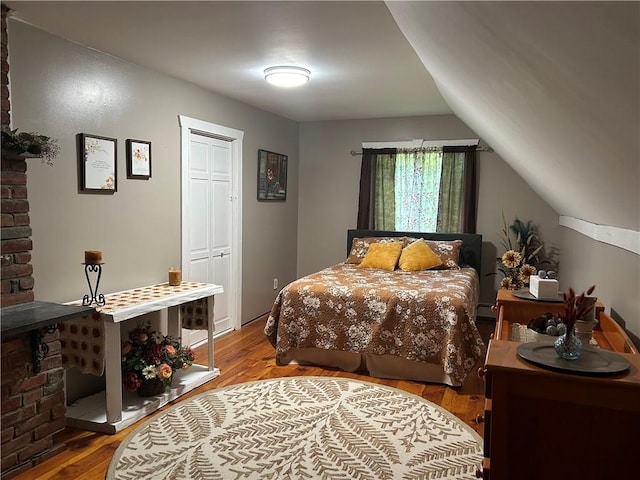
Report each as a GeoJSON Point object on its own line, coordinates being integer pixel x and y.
{"type": "Point", "coordinates": [275, 283]}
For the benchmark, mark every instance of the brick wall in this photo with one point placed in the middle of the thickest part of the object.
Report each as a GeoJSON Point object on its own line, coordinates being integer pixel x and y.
{"type": "Point", "coordinates": [33, 405]}
{"type": "Point", "coordinates": [16, 272]}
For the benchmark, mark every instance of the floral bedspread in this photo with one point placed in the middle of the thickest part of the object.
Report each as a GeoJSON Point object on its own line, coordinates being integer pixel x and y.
{"type": "Point", "coordinates": [426, 316]}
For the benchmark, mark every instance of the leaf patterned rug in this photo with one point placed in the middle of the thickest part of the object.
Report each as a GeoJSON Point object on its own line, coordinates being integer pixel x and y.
{"type": "Point", "coordinates": [300, 428]}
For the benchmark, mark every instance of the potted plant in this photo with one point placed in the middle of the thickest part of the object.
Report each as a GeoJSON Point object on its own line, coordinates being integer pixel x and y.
{"type": "Point", "coordinates": [150, 359]}
{"type": "Point", "coordinates": [29, 145]}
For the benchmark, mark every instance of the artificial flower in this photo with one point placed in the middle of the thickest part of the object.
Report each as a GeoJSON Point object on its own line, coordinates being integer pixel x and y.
{"type": "Point", "coordinates": [149, 372]}
{"type": "Point", "coordinates": [165, 371]}
{"type": "Point", "coordinates": [524, 256]}
{"type": "Point", "coordinates": [575, 306]}
{"type": "Point", "coordinates": [511, 259]}
{"type": "Point", "coordinates": [148, 354]}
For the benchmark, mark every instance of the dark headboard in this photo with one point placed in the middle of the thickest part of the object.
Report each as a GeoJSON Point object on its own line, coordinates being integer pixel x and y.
{"type": "Point", "coordinates": [470, 252]}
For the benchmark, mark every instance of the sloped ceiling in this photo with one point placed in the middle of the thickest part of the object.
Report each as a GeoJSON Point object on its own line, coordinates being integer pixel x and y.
{"type": "Point", "coordinates": [553, 87]}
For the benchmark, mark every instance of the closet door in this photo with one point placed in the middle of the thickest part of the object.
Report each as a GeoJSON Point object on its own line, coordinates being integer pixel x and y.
{"type": "Point", "coordinates": [210, 224]}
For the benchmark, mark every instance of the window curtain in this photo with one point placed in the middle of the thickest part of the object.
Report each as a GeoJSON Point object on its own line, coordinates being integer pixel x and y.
{"type": "Point", "coordinates": [371, 157]}
{"type": "Point", "coordinates": [458, 192]}
{"type": "Point", "coordinates": [417, 189]}
{"type": "Point", "coordinates": [384, 217]}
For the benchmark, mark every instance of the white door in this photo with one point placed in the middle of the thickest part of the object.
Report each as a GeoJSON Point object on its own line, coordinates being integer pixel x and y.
{"type": "Point", "coordinates": [211, 219]}
{"type": "Point", "coordinates": [210, 223]}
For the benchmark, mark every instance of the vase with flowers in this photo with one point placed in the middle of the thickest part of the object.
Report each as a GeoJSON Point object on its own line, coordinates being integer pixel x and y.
{"type": "Point", "coordinates": [150, 359]}
{"type": "Point", "coordinates": [576, 307]}
{"type": "Point", "coordinates": [525, 254]}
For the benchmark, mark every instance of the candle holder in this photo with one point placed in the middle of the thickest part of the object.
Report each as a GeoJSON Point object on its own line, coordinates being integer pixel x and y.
{"type": "Point", "coordinates": [97, 298]}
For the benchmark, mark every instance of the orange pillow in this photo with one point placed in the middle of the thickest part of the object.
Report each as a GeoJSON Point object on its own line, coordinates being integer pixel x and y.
{"type": "Point", "coordinates": [382, 255]}
{"type": "Point", "coordinates": [447, 250]}
{"type": "Point", "coordinates": [418, 256]}
{"type": "Point", "coordinates": [360, 246]}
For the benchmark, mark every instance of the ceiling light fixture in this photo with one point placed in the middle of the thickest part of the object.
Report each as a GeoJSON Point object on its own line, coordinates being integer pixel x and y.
{"type": "Point", "coordinates": [287, 76]}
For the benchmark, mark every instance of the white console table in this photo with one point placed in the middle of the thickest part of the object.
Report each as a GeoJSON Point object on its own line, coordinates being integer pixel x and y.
{"type": "Point", "coordinates": [113, 410]}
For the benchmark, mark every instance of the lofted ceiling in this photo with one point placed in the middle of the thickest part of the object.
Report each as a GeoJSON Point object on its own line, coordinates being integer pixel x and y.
{"type": "Point", "coordinates": [553, 87]}
{"type": "Point", "coordinates": [361, 64]}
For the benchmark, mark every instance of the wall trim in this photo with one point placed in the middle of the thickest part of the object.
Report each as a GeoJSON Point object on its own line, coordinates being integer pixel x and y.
{"type": "Point", "coordinates": [616, 236]}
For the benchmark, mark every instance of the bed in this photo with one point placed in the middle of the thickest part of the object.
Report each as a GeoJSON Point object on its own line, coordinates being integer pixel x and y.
{"type": "Point", "coordinates": [416, 325]}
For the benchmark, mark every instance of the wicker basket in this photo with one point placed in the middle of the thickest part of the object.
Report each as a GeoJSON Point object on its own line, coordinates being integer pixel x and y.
{"type": "Point", "coordinates": [151, 387]}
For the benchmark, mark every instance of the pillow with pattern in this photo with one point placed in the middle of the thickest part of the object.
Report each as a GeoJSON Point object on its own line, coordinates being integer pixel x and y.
{"type": "Point", "coordinates": [447, 250]}
{"type": "Point", "coordinates": [359, 247]}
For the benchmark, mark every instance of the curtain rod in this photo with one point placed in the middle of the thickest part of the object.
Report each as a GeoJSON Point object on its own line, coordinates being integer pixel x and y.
{"type": "Point", "coordinates": [478, 149]}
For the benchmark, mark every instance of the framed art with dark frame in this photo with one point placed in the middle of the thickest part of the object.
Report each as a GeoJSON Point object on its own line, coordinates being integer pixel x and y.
{"type": "Point", "coordinates": [272, 176]}
{"type": "Point", "coordinates": [97, 158]}
{"type": "Point", "coordinates": [138, 159]}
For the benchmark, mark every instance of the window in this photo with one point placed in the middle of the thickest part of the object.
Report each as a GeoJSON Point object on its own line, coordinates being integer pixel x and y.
{"type": "Point", "coordinates": [418, 190]}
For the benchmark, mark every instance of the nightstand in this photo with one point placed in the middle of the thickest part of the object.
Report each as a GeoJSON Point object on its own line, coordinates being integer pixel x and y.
{"type": "Point", "coordinates": [544, 424]}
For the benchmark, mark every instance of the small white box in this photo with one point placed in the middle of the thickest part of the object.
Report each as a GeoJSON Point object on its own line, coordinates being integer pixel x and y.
{"type": "Point", "coordinates": [544, 288]}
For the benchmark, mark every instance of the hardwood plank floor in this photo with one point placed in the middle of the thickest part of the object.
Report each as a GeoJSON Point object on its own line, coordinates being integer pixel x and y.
{"type": "Point", "coordinates": [244, 356]}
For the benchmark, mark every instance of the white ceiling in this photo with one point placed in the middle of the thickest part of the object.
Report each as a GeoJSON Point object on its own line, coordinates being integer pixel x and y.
{"type": "Point", "coordinates": [553, 87]}
{"type": "Point", "coordinates": [362, 65]}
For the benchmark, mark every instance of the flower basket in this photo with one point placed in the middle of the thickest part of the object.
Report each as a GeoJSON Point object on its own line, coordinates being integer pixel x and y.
{"type": "Point", "coordinates": [150, 359]}
{"type": "Point", "coordinates": [152, 387]}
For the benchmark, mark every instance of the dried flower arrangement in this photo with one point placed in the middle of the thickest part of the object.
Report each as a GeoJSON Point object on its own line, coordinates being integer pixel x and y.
{"type": "Point", "coordinates": [30, 144]}
{"type": "Point", "coordinates": [524, 255]}
{"type": "Point", "coordinates": [576, 307]}
{"type": "Point", "coordinates": [150, 355]}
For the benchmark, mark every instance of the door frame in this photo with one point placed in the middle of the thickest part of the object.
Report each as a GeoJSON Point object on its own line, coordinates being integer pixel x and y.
{"type": "Point", "coordinates": [190, 125]}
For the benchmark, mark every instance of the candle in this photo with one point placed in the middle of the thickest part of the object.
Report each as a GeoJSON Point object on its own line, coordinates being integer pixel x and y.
{"type": "Point", "coordinates": [92, 257]}
{"type": "Point", "coordinates": [175, 277]}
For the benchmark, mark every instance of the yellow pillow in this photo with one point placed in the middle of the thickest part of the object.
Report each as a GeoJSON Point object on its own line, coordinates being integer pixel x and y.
{"type": "Point", "coordinates": [418, 256]}
{"type": "Point", "coordinates": [382, 255]}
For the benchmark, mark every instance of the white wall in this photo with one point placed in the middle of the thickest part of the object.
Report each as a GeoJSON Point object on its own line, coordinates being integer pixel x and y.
{"type": "Point", "coordinates": [60, 89]}
{"type": "Point", "coordinates": [615, 273]}
{"type": "Point", "coordinates": [329, 182]}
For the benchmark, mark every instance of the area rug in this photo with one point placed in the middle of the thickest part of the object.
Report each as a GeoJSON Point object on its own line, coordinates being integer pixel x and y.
{"type": "Point", "coordinates": [300, 428]}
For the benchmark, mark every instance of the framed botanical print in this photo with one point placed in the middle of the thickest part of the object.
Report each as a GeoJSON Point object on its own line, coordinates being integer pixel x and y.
{"type": "Point", "coordinates": [272, 176]}
{"type": "Point", "coordinates": [97, 157]}
{"type": "Point", "coordinates": [138, 159]}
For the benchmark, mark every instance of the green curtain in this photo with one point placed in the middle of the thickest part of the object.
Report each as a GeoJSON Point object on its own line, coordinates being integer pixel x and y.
{"type": "Point", "coordinates": [367, 195]}
{"type": "Point", "coordinates": [451, 196]}
{"type": "Point", "coordinates": [458, 191]}
{"type": "Point", "coordinates": [384, 200]}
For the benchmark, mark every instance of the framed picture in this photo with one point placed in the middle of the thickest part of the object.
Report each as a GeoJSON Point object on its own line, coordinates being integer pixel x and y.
{"type": "Point", "coordinates": [272, 176]}
{"type": "Point", "coordinates": [98, 163]}
{"type": "Point", "coordinates": [138, 159]}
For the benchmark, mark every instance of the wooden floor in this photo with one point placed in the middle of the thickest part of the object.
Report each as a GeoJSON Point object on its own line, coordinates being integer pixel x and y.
{"type": "Point", "coordinates": [244, 356]}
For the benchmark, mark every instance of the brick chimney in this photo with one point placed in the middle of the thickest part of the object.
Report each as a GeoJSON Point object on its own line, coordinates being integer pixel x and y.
{"type": "Point", "coordinates": [33, 403]}
{"type": "Point", "coordinates": [15, 252]}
